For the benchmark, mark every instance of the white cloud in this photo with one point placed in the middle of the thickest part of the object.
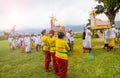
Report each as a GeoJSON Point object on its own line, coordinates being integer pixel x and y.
{"type": "Point", "coordinates": [36, 13]}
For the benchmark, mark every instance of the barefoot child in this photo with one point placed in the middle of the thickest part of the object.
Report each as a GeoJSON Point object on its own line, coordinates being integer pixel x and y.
{"type": "Point", "coordinates": [46, 50]}
{"type": "Point", "coordinates": [62, 55]}
{"type": "Point", "coordinates": [52, 49]}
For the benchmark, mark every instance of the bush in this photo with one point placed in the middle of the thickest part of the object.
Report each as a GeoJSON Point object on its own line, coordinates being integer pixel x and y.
{"type": "Point", "coordinates": [3, 37]}
{"type": "Point", "coordinates": [78, 35]}
{"type": "Point", "coordinates": [95, 35]}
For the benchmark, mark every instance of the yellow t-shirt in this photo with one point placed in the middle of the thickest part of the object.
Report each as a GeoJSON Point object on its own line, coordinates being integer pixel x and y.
{"type": "Point", "coordinates": [62, 49]}
{"type": "Point", "coordinates": [45, 40]}
{"type": "Point", "coordinates": [52, 44]}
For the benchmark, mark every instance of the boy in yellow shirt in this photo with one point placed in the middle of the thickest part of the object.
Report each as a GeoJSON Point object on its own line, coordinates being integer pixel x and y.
{"type": "Point", "coordinates": [62, 55]}
{"type": "Point", "coordinates": [46, 49]}
{"type": "Point", "coordinates": [52, 49]}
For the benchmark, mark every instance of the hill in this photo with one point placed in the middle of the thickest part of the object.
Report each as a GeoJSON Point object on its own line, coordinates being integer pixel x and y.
{"type": "Point", "coordinates": [75, 28]}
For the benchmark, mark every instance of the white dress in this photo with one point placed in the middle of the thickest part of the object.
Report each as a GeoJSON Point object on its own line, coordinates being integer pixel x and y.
{"type": "Point", "coordinates": [12, 43]}
{"type": "Point", "coordinates": [87, 42]}
{"type": "Point", "coordinates": [112, 33]}
{"type": "Point", "coordinates": [27, 44]}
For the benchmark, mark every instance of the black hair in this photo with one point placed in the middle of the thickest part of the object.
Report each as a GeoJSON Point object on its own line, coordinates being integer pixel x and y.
{"type": "Point", "coordinates": [43, 31]}
{"type": "Point", "coordinates": [61, 35]}
{"type": "Point", "coordinates": [51, 32]}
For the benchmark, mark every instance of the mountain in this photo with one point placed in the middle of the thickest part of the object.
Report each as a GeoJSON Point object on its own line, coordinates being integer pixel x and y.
{"type": "Point", "coordinates": [75, 28]}
{"type": "Point", "coordinates": [30, 30]}
{"type": "Point", "coordinates": [117, 23]}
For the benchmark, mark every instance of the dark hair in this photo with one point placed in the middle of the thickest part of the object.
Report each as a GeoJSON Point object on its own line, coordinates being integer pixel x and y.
{"type": "Point", "coordinates": [52, 32]}
{"type": "Point", "coordinates": [43, 31]}
{"type": "Point", "coordinates": [61, 35]}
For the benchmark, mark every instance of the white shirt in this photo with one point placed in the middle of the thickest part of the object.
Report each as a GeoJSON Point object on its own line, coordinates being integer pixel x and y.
{"type": "Point", "coordinates": [27, 40]}
{"type": "Point", "coordinates": [10, 40]}
{"type": "Point", "coordinates": [68, 37]}
{"type": "Point", "coordinates": [39, 37]}
{"type": "Point", "coordinates": [32, 38]}
{"type": "Point", "coordinates": [71, 39]}
{"type": "Point", "coordinates": [36, 40]}
{"type": "Point", "coordinates": [112, 33]}
{"type": "Point", "coordinates": [18, 41]}
{"type": "Point", "coordinates": [88, 34]}
{"type": "Point", "coordinates": [106, 34]}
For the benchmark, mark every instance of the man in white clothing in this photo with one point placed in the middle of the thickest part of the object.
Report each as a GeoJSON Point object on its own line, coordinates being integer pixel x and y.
{"type": "Point", "coordinates": [87, 45]}
{"type": "Point", "coordinates": [105, 38]}
{"type": "Point", "coordinates": [37, 42]}
{"type": "Point", "coordinates": [68, 36]}
{"type": "Point", "coordinates": [72, 40]}
{"type": "Point", "coordinates": [111, 37]}
{"type": "Point", "coordinates": [27, 43]}
{"type": "Point", "coordinates": [40, 40]}
{"type": "Point", "coordinates": [11, 42]}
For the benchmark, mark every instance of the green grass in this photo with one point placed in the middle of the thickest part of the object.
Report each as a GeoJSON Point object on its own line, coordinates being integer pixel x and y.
{"type": "Point", "coordinates": [14, 64]}
{"type": "Point", "coordinates": [79, 35]}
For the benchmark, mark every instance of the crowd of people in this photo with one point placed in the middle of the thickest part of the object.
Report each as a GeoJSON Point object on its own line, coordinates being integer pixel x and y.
{"type": "Point", "coordinates": [110, 36]}
{"type": "Point", "coordinates": [25, 42]}
{"type": "Point", "coordinates": [56, 47]}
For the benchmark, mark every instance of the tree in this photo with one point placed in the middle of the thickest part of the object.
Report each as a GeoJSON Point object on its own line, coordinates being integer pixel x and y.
{"type": "Point", "coordinates": [6, 33]}
{"type": "Point", "coordinates": [88, 22]}
{"type": "Point", "coordinates": [109, 7]}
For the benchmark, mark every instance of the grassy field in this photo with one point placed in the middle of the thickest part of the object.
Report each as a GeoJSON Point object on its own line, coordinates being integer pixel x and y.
{"type": "Point", "coordinates": [14, 64]}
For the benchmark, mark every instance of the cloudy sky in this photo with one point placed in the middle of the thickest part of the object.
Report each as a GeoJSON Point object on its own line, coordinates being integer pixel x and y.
{"type": "Point", "coordinates": [36, 13]}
